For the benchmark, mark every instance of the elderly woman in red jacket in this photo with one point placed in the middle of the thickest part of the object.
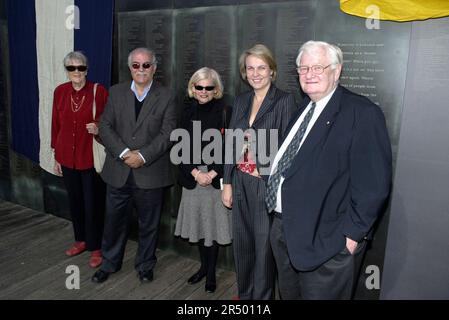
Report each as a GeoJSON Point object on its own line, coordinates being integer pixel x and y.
{"type": "Point", "coordinates": [73, 129]}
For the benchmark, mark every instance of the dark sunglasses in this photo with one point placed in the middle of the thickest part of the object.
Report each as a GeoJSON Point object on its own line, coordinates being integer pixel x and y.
{"type": "Point", "coordinates": [73, 68]}
{"type": "Point", "coordinates": [145, 65]}
{"type": "Point", "coordinates": [208, 88]}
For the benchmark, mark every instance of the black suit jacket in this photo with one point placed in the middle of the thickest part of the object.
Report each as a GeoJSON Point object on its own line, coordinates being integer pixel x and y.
{"type": "Point", "coordinates": [275, 113]}
{"type": "Point", "coordinates": [338, 182]}
{"type": "Point", "coordinates": [150, 134]}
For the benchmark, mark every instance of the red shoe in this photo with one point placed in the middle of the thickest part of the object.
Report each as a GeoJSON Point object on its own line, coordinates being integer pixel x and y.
{"type": "Point", "coordinates": [77, 248]}
{"type": "Point", "coordinates": [95, 259]}
{"type": "Point", "coordinates": [235, 298]}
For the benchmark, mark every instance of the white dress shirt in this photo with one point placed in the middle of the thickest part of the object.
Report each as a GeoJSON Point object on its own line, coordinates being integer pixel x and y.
{"type": "Point", "coordinates": [140, 99]}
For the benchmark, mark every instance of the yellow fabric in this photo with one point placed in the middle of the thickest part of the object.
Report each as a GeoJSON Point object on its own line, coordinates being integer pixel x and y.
{"type": "Point", "coordinates": [397, 10]}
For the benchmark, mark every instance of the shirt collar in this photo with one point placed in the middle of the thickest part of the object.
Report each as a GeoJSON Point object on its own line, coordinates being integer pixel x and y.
{"type": "Point", "coordinates": [145, 92]}
{"type": "Point", "coordinates": [323, 102]}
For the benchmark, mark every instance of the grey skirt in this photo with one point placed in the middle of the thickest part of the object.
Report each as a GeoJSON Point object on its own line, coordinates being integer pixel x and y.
{"type": "Point", "coordinates": [202, 215]}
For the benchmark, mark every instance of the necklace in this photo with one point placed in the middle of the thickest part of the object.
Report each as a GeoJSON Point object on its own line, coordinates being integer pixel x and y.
{"type": "Point", "coordinates": [76, 106]}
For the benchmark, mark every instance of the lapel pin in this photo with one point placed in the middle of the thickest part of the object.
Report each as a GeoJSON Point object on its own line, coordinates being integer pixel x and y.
{"type": "Point", "coordinates": [328, 123]}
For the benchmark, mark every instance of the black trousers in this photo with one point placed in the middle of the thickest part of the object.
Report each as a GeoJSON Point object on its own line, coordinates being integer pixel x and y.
{"type": "Point", "coordinates": [148, 203]}
{"type": "Point", "coordinates": [333, 280]}
{"type": "Point", "coordinates": [251, 224]}
{"type": "Point", "coordinates": [86, 192]}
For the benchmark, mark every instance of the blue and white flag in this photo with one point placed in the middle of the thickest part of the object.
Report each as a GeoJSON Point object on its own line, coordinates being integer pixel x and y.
{"type": "Point", "coordinates": [41, 33]}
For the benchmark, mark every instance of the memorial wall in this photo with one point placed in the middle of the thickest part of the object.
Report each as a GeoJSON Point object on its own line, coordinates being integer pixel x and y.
{"type": "Point", "coordinates": [375, 60]}
{"type": "Point", "coordinates": [185, 39]}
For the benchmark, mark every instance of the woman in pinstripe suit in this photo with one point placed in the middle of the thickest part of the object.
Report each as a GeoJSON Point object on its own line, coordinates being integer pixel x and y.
{"type": "Point", "coordinates": [255, 112]}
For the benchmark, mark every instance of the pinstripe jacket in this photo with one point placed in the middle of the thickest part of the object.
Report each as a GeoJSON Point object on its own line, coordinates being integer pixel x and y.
{"type": "Point", "coordinates": [274, 113]}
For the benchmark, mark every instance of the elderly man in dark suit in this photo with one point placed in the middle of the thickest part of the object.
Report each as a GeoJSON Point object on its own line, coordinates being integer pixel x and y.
{"type": "Point", "coordinates": [135, 129]}
{"type": "Point", "coordinates": [329, 182]}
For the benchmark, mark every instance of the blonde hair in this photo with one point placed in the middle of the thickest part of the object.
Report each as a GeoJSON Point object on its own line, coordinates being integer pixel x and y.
{"type": "Point", "coordinates": [203, 74]}
{"type": "Point", "coordinates": [262, 52]}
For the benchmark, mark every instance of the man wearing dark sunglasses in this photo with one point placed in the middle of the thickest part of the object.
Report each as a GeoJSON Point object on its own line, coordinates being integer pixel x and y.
{"type": "Point", "coordinates": [135, 129]}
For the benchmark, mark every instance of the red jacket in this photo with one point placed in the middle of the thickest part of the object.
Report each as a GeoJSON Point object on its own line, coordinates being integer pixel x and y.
{"type": "Point", "coordinates": [69, 138]}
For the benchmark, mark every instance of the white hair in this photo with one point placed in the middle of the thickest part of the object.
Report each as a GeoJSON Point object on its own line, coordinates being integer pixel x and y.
{"type": "Point", "coordinates": [147, 51]}
{"type": "Point", "coordinates": [76, 55]}
{"type": "Point", "coordinates": [333, 52]}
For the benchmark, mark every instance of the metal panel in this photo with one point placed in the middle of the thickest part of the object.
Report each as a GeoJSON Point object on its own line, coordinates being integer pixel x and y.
{"type": "Point", "coordinates": [375, 60]}
{"type": "Point", "coordinates": [283, 27]}
{"type": "Point", "coordinates": [151, 29]}
{"type": "Point", "coordinates": [205, 37]}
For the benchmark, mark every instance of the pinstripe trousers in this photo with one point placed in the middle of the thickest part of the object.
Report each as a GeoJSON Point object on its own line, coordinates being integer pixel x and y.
{"type": "Point", "coordinates": [254, 262]}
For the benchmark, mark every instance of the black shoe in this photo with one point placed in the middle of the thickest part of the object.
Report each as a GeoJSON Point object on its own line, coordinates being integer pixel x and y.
{"type": "Point", "coordinates": [100, 276]}
{"type": "Point", "coordinates": [210, 287]}
{"type": "Point", "coordinates": [197, 277]}
{"type": "Point", "coordinates": [146, 276]}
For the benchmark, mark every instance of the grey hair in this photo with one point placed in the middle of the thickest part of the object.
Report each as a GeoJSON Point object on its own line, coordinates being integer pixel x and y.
{"type": "Point", "coordinates": [76, 55]}
{"type": "Point", "coordinates": [147, 51]}
{"type": "Point", "coordinates": [334, 53]}
{"type": "Point", "coordinates": [203, 74]}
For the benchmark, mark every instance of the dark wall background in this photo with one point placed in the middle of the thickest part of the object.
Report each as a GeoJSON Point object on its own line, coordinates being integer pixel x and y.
{"type": "Point", "coordinates": [189, 37]}
{"type": "Point", "coordinates": [5, 181]}
{"type": "Point", "coordinates": [3, 10]}
{"type": "Point", "coordinates": [416, 255]}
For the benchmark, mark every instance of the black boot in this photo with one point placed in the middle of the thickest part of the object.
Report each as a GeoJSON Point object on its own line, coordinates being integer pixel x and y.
{"type": "Point", "coordinates": [200, 274]}
{"type": "Point", "coordinates": [212, 255]}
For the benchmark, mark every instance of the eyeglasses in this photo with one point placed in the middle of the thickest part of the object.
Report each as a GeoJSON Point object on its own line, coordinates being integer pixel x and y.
{"type": "Point", "coordinates": [316, 69]}
{"type": "Point", "coordinates": [208, 88]}
{"type": "Point", "coordinates": [73, 68]}
{"type": "Point", "coordinates": [145, 65]}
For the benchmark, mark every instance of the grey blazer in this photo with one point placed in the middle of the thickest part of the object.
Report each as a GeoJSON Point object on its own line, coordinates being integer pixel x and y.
{"type": "Point", "coordinates": [150, 134]}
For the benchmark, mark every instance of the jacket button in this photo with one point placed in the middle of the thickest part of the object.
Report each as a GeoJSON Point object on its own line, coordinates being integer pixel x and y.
{"type": "Point", "coordinates": [134, 138]}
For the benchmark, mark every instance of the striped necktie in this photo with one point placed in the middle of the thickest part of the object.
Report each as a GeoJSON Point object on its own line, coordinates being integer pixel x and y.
{"type": "Point", "coordinates": [286, 161]}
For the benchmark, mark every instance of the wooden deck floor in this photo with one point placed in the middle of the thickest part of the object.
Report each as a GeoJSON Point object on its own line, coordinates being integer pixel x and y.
{"type": "Point", "coordinates": [33, 265]}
